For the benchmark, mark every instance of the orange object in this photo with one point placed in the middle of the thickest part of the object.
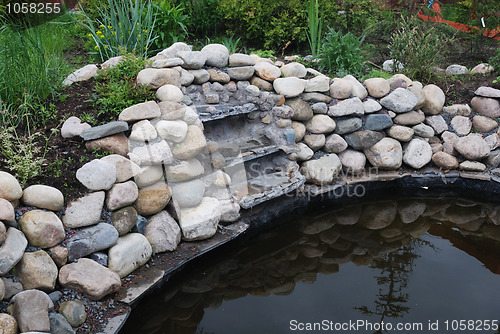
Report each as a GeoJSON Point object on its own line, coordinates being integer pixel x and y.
{"type": "Point", "coordinates": [495, 33]}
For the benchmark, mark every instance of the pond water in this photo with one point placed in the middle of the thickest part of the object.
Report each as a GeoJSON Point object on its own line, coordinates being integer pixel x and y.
{"type": "Point", "coordinates": [406, 266]}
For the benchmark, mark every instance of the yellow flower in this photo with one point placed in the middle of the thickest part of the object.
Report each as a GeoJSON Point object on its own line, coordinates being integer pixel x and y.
{"type": "Point", "coordinates": [96, 47]}
{"type": "Point", "coordinates": [99, 32]}
{"type": "Point", "coordinates": [90, 35]}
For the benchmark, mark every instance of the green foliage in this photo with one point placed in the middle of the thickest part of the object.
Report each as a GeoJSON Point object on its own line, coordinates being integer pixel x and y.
{"type": "Point", "coordinates": [341, 54]}
{"type": "Point", "coordinates": [356, 15]}
{"type": "Point", "coordinates": [203, 17]}
{"type": "Point", "coordinates": [376, 74]}
{"type": "Point", "coordinates": [418, 47]}
{"type": "Point", "coordinates": [314, 25]}
{"type": "Point", "coordinates": [495, 61]}
{"type": "Point", "coordinates": [32, 68]}
{"type": "Point", "coordinates": [24, 156]}
{"type": "Point", "coordinates": [265, 54]}
{"type": "Point", "coordinates": [170, 24]}
{"type": "Point", "coordinates": [470, 12]}
{"type": "Point", "coordinates": [126, 25]}
{"type": "Point", "coordinates": [231, 43]}
{"type": "Point", "coordinates": [117, 89]}
{"type": "Point", "coordinates": [269, 25]}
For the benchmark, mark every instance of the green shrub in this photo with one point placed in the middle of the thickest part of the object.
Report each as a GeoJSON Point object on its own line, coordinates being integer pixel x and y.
{"type": "Point", "coordinates": [314, 25]}
{"type": "Point", "coordinates": [123, 26]}
{"type": "Point", "coordinates": [418, 47]}
{"type": "Point", "coordinates": [376, 74]}
{"type": "Point", "coordinates": [341, 54]}
{"type": "Point", "coordinates": [495, 61]}
{"type": "Point", "coordinates": [169, 24]}
{"type": "Point", "coordinates": [116, 89]}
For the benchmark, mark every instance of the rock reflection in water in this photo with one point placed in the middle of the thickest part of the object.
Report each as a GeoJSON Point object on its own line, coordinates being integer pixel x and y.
{"type": "Point", "coordinates": [383, 235]}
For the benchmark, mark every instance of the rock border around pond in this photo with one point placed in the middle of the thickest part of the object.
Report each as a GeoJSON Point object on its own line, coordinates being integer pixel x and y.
{"type": "Point", "coordinates": [171, 190]}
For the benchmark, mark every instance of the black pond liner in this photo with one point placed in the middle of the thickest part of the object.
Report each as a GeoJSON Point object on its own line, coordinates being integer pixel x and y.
{"type": "Point", "coordinates": [179, 264]}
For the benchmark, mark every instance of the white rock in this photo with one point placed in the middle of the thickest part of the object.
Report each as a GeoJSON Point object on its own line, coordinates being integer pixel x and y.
{"type": "Point", "coordinates": [357, 88]}
{"type": "Point", "coordinates": [193, 60]}
{"type": "Point", "coordinates": [482, 68]}
{"type": "Point", "coordinates": [148, 175]}
{"type": "Point", "coordinates": [152, 154]}
{"type": "Point", "coordinates": [200, 222]}
{"type": "Point", "coordinates": [125, 169]}
{"type": "Point", "coordinates": [319, 83]}
{"type": "Point", "coordinates": [377, 87]}
{"type": "Point", "coordinates": [462, 125]}
{"type": "Point", "coordinates": [97, 175]}
{"type": "Point", "coordinates": [240, 59]}
{"type": "Point", "coordinates": [82, 74]}
{"type": "Point", "coordinates": [169, 62]}
{"type": "Point", "coordinates": [143, 131]}
{"type": "Point", "coordinates": [85, 211]}
{"type": "Point", "coordinates": [304, 152]}
{"type": "Point", "coordinates": [184, 170]}
{"type": "Point", "coordinates": [121, 195]}
{"type": "Point", "coordinates": [434, 100]}
{"type": "Point", "coordinates": [169, 93]}
{"type": "Point", "coordinates": [174, 49]}
{"type": "Point", "coordinates": [289, 87]}
{"type": "Point", "coordinates": [386, 154]}
{"type": "Point", "coordinates": [294, 69]}
{"type": "Point", "coordinates": [401, 133]}
{"type": "Point", "coordinates": [321, 124]}
{"type": "Point", "coordinates": [112, 62]}
{"type": "Point", "coordinates": [157, 77]}
{"type": "Point", "coordinates": [389, 65]}
{"type": "Point", "coordinates": [371, 106]}
{"type": "Point", "coordinates": [140, 111]}
{"type": "Point", "coordinates": [162, 232]}
{"type": "Point", "coordinates": [400, 100]}
{"type": "Point", "coordinates": [417, 153]}
{"type": "Point", "coordinates": [43, 197]}
{"type": "Point", "coordinates": [352, 161]}
{"type": "Point", "coordinates": [216, 54]}
{"type": "Point", "coordinates": [9, 187]}
{"type": "Point", "coordinates": [437, 122]}
{"type": "Point", "coordinates": [73, 127]}
{"type": "Point", "coordinates": [352, 106]}
{"type": "Point", "coordinates": [175, 131]}
{"type": "Point", "coordinates": [12, 250]}
{"type": "Point", "coordinates": [267, 71]}
{"type": "Point", "coordinates": [6, 215]}
{"type": "Point", "coordinates": [341, 88]}
{"type": "Point", "coordinates": [130, 252]}
{"type": "Point", "coordinates": [456, 69]}
{"type": "Point", "coordinates": [472, 147]}
{"type": "Point", "coordinates": [322, 171]}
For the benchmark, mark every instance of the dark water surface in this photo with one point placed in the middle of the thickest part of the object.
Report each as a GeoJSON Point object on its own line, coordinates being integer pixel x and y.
{"type": "Point", "coordinates": [430, 265]}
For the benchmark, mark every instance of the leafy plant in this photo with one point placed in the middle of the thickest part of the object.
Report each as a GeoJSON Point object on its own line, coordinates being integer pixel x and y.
{"type": "Point", "coordinates": [231, 43]}
{"type": "Point", "coordinates": [418, 47]}
{"type": "Point", "coordinates": [265, 54]}
{"type": "Point", "coordinates": [341, 53]}
{"type": "Point", "coordinates": [23, 155]}
{"type": "Point", "coordinates": [314, 25]}
{"type": "Point", "coordinates": [376, 74]}
{"type": "Point", "coordinates": [117, 89]}
{"type": "Point", "coordinates": [126, 25]}
{"type": "Point", "coordinates": [495, 61]}
{"type": "Point", "coordinates": [170, 24]}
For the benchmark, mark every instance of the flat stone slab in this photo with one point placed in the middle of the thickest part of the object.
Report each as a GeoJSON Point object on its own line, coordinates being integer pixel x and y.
{"type": "Point", "coordinates": [105, 130]}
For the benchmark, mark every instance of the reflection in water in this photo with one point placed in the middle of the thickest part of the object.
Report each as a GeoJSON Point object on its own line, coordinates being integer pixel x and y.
{"type": "Point", "coordinates": [385, 240]}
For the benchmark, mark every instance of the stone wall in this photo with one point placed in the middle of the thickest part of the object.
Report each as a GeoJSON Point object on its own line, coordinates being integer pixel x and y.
{"type": "Point", "coordinates": [226, 133]}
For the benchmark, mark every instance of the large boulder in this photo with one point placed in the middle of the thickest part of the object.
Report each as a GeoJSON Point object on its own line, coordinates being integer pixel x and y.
{"type": "Point", "coordinates": [267, 71]}
{"type": "Point", "coordinates": [42, 228]}
{"type": "Point", "coordinates": [174, 131]}
{"type": "Point", "coordinates": [162, 232]}
{"type": "Point", "coordinates": [385, 154]}
{"type": "Point", "coordinates": [294, 69]}
{"type": "Point", "coordinates": [486, 106]}
{"type": "Point", "coordinates": [200, 222]}
{"type": "Point", "coordinates": [90, 278]}
{"type": "Point", "coordinates": [322, 171]}
{"type": "Point", "coordinates": [155, 78]}
{"type": "Point", "coordinates": [130, 252]}
{"type": "Point", "coordinates": [152, 154]}
{"type": "Point", "coordinates": [140, 111]}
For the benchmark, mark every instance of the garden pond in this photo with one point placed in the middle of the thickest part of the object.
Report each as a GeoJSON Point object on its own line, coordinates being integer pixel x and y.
{"type": "Point", "coordinates": [426, 264]}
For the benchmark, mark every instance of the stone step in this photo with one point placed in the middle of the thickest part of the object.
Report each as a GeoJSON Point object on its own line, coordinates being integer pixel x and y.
{"type": "Point", "coordinates": [269, 186]}
{"type": "Point", "coordinates": [213, 112]}
{"type": "Point", "coordinates": [252, 155]}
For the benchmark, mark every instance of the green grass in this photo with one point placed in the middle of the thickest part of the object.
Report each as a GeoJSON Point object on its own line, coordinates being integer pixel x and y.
{"type": "Point", "coordinates": [32, 68]}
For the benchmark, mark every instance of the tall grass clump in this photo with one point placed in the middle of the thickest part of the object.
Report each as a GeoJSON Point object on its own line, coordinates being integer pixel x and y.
{"type": "Point", "coordinates": [341, 54]}
{"type": "Point", "coordinates": [418, 47]}
{"type": "Point", "coordinates": [32, 68]}
{"type": "Point", "coordinates": [314, 25]}
{"type": "Point", "coordinates": [122, 26]}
